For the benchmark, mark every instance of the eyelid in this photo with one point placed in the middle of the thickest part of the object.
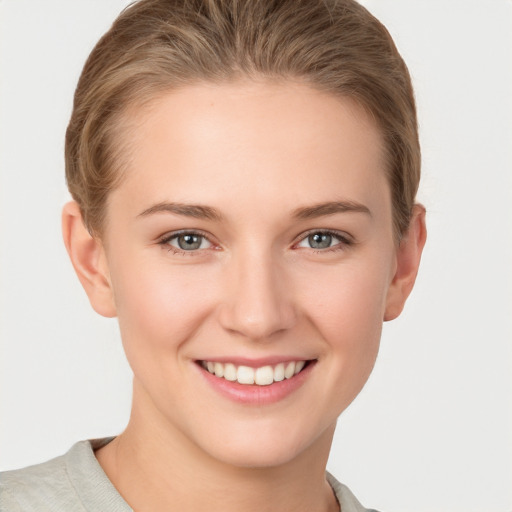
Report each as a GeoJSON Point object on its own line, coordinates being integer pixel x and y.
{"type": "Point", "coordinates": [167, 237]}
{"type": "Point", "coordinates": [344, 238]}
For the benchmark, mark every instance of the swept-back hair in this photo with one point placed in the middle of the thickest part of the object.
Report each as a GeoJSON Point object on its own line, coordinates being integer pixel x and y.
{"type": "Point", "coordinates": [159, 45]}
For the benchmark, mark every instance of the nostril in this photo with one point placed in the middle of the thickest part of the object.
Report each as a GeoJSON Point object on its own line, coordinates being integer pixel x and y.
{"type": "Point", "coordinates": [258, 305]}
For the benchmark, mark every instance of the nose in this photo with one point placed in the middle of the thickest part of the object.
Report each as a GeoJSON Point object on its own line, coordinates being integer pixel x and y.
{"type": "Point", "coordinates": [257, 302]}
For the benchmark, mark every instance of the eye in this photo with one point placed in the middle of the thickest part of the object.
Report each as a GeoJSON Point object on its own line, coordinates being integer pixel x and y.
{"type": "Point", "coordinates": [187, 241]}
{"type": "Point", "coordinates": [324, 240]}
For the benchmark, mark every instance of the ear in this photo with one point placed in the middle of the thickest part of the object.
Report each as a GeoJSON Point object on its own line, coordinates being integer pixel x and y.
{"type": "Point", "coordinates": [88, 257]}
{"type": "Point", "coordinates": [407, 262]}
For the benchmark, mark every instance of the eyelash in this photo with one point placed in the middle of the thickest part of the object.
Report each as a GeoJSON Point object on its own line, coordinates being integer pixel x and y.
{"type": "Point", "coordinates": [164, 241]}
{"type": "Point", "coordinates": [344, 241]}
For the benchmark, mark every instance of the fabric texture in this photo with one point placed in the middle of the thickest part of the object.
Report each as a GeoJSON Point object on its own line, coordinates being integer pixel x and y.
{"type": "Point", "coordinates": [75, 482]}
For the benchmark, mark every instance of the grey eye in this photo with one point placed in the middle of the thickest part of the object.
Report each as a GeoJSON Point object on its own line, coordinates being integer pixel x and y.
{"type": "Point", "coordinates": [189, 242]}
{"type": "Point", "coordinates": [320, 240]}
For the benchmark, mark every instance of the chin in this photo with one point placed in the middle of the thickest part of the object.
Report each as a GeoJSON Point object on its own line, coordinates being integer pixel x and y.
{"type": "Point", "coordinates": [268, 446]}
{"type": "Point", "coordinates": [255, 456]}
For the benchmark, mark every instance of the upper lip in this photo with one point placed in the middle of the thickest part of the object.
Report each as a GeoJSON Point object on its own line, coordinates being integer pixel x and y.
{"type": "Point", "coordinates": [256, 362]}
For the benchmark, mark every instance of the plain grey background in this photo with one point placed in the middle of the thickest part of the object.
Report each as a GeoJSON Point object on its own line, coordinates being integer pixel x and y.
{"type": "Point", "coordinates": [432, 431]}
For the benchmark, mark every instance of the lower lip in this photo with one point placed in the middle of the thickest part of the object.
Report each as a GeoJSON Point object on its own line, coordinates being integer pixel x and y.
{"type": "Point", "coordinates": [257, 395]}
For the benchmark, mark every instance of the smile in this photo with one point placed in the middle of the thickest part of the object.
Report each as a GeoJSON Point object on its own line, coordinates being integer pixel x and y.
{"type": "Point", "coordinates": [262, 376]}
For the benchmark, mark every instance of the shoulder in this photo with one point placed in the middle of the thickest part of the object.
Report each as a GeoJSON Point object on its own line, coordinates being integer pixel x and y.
{"type": "Point", "coordinates": [348, 502]}
{"type": "Point", "coordinates": [73, 482]}
{"type": "Point", "coordinates": [39, 487]}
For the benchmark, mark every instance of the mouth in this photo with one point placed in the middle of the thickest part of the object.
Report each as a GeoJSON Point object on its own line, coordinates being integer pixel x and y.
{"type": "Point", "coordinates": [260, 376]}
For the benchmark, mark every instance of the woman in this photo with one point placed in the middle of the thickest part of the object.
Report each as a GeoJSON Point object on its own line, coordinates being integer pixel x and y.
{"type": "Point", "coordinates": [244, 177]}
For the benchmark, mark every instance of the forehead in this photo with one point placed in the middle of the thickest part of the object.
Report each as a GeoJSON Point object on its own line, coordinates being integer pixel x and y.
{"type": "Point", "coordinates": [251, 140]}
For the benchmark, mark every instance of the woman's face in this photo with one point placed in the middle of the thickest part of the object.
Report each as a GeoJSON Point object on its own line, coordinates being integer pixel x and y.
{"type": "Point", "coordinates": [252, 230]}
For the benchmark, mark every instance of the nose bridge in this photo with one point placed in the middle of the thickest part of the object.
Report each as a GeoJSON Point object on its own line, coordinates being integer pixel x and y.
{"type": "Point", "coordinates": [257, 304]}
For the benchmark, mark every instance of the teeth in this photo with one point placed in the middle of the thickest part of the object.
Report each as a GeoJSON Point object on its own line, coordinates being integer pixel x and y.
{"type": "Point", "coordinates": [262, 376]}
{"type": "Point", "coordinates": [298, 366]}
{"type": "Point", "coordinates": [218, 368]}
{"type": "Point", "coordinates": [230, 372]}
{"type": "Point", "coordinates": [279, 372]}
{"type": "Point", "coordinates": [245, 375]}
{"type": "Point", "coordinates": [289, 371]}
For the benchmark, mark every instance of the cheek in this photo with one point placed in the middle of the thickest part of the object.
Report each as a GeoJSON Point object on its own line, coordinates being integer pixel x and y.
{"type": "Point", "coordinates": [159, 307]}
{"type": "Point", "coordinates": [348, 298]}
{"type": "Point", "coordinates": [347, 311]}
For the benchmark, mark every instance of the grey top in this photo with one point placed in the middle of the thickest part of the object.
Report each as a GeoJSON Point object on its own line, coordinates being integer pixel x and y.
{"type": "Point", "coordinates": [75, 482]}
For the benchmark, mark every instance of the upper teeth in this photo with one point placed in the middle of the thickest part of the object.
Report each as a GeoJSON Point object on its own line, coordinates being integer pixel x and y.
{"type": "Point", "coordinates": [262, 376]}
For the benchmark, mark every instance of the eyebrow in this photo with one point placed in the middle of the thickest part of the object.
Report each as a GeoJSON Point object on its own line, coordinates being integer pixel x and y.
{"type": "Point", "coordinates": [330, 208]}
{"type": "Point", "coordinates": [207, 212]}
{"type": "Point", "coordinates": [188, 210]}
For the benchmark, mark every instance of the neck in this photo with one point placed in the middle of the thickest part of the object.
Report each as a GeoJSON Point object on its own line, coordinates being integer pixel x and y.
{"type": "Point", "coordinates": [156, 467]}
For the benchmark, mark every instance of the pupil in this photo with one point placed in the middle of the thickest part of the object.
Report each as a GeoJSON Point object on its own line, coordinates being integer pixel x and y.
{"type": "Point", "coordinates": [188, 242]}
{"type": "Point", "coordinates": [320, 241]}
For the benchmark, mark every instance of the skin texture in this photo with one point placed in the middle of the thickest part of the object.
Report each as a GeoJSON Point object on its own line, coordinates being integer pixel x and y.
{"type": "Point", "coordinates": [254, 152]}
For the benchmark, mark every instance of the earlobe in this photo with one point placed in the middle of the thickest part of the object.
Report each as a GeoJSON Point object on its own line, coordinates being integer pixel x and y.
{"type": "Point", "coordinates": [88, 257]}
{"type": "Point", "coordinates": [407, 264]}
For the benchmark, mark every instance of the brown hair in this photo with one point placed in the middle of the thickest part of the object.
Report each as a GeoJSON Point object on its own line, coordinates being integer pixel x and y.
{"type": "Point", "coordinates": [157, 45]}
